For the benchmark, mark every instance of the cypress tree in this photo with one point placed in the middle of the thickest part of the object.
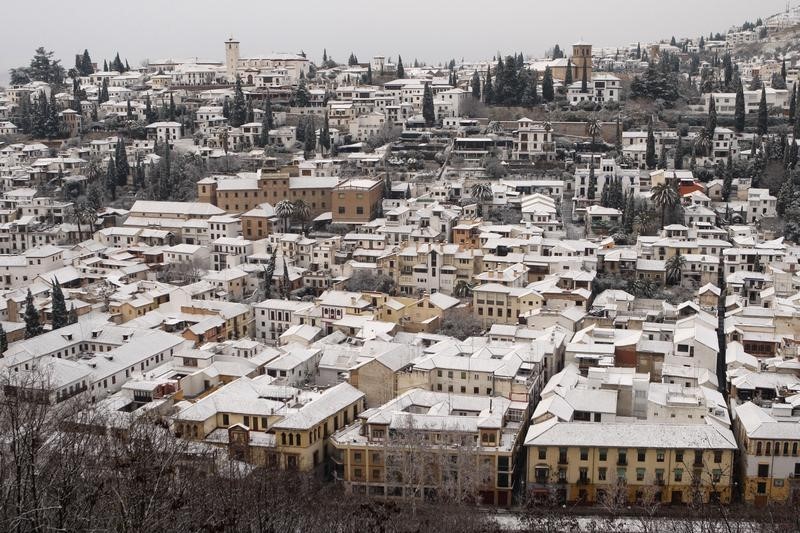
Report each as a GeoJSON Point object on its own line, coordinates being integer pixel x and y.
{"type": "Point", "coordinates": [428, 112]}
{"type": "Point", "coordinates": [678, 164]}
{"type": "Point", "coordinates": [650, 149]}
{"type": "Point", "coordinates": [123, 168]}
{"type": "Point", "coordinates": [103, 97]}
{"type": "Point", "coordinates": [171, 113]}
{"type": "Point", "coordinates": [3, 340]}
{"type": "Point", "coordinates": [584, 81]}
{"type": "Point", "coordinates": [401, 72]}
{"type": "Point", "coordinates": [310, 139]}
{"type": "Point", "coordinates": [60, 317]}
{"type": "Point", "coordinates": [591, 189]}
{"type": "Point", "coordinates": [369, 74]}
{"type": "Point", "coordinates": [739, 114]}
{"type": "Point", "coordinates": [32, 325]}
{"type": "Point", "coordinates": [476, 85]}
{"type": "Point", "coordinates": [111, 178]}
{"type": "Point", "coordinates": [138, 175]}
{"type": "Point", "coordinates": [793, 103]}
{"type": "Point", "coordinates": [105, 66]}
{"type": "Point", "coordinates": [568, 75]}
{"type": "Point", "coordinates": [488, 88]}
{"type": "Point", "coordinates": [53, 122]}
{"type": "Point", "coordinates": [148, 110]}
{"type": "Point", "coordinates": [763, 125]}
{"type": "Point", "coordinates": [325, 135]}
{"type": "Point", "coordinates": [547, 85]}
{"type": "Point", "coordinates": [711, 122]}
{"type": "Point", "coordinates": [722, 345]}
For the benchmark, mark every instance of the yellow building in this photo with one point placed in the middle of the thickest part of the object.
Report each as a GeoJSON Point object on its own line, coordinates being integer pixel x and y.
{"type": "Point", "coordinates": [769, 438]}
{"type": "Point", "coordinates": [588, 462]}
{"type": "Point", "coordinates": [271, 425]}
{"type": "Point", "coordinates": [493, 303]}
{"type": "Point", "coordinates": [461, 446]}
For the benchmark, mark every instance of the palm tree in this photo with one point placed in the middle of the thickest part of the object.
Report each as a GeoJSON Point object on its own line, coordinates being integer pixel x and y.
{"type": "Point", "coordinates": [593, 129]}
{"type": "Point", "coordinates": [674, 267]}
{"type": "Point", "coordinates": [284, 210]}
{"type": "Point", "coordinates": [664, 196]}
{"type": "Point", "coordinates": [302, 212]}
{"type": "Point", "coordinates": [463, 289]}
{"type": "Point", "coordinates": [702, 142]}
{"type": "Point", "coordinates": [481, 192]}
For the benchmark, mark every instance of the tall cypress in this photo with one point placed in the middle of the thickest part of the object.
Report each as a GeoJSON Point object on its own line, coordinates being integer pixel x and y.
{"type": "Point", "coordinates": [476, 85]}
{"type": "Point", "coordinates": [123, 168]}
{"type": "Point", "coordinates": [428, 112]}
{"type": "Point", "coordinates": [793, 102]}
{"type": "Point", "coordinates": [568, 74]}
{"type": "Point", "coordinates": [548, 92]}
{"type": "Point", "coordinates": [60, 317]}
{"type": "Point", "coordinates": [722, 375]}
{"type": "Point", "coordinates": [711, 122]}
{"type": "Point", "coordinates": [488, 88]}
{"type": "Point", "coordinates": [111, 178]}
{"type": "Point", "coordinates": [763, 124]}
{"type": "Point", "coordinates": [739, 112]}
{"type": "Point", "coordinates": [650, 148]}
{"type": "Point", "coordinates": [72, 317]}
{"type": "Point", "coordinates": [401, 72]}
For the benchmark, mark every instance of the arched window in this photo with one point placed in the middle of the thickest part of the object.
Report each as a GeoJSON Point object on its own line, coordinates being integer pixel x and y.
{"type": "Point", "coordinates": [291, 439]}
{"type": "Point", "coordinates": [297, 439]}
{"type": "Point", "coordinates": [283, 439]}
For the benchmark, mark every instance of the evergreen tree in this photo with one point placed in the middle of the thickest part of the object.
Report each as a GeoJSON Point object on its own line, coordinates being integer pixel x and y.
{"type": "Point", "coordinates": [60, 316]}
{"type": "Point", "coordinates": [32, 325]}
{"type": "Point", "coordinates": [226, 108]}
{"type": "Point", "coordinates": [783, 69]}
{"type": "Point", "coordinates": [401, 72]}
{"type": "Point", "coordinates": [269, 272]}
{"type": "Point", "coordinates": [662, 159]}
{"type": "Point", "coordinates": [488, 88]}
{"type": "Point", "coordinates": [568, 75]}
{"type": "Point", "coordinates": [52, 122]}
{"type": "Point", "coordinates": [325, 135]}
{"type": "Point", "coordinates": [122, 166]}
{"type": "Point", "coordinates": [678, 164]}
{"type": "Point", "coordinates": [727, 180]}
{"type": "Point", "coordinates": [584, 80]}
{"type": "Point", "coordinates": [739, 110]}
{"type": "Point", "coordinates": [310, 140]}
{"type": "Point", "coordinates": [428, 112]}
{"type": "Point", "coordinates": [103, 96]}
{"type": "Point", "coordinates": [138, 175]}
{"type": "Point", "coordinates": [72, 317]}
{"type": "Point", "coordinates": [302, 97]}
{"type": "Point", "coordinates": [128, 110]}
{"type": "Point", "coordinates": [793, 103]}
{"type": "Point", "coordinates": [148, 110]}
{"type": "Point", "coordinates": [796, 126]}
{"type": "Point", "coordinates": [530, 94]}
{"type": "Point", "coordinates": [117, 65]}
{"type": "Point", "coordinates": [499, 83]}
{"type": "Point", "coordinates": [591, 188]}
{"type": "Point", "coordinates": [763, 125]}
{"type": "Point", "coordinates": [171, 109]}
{"type": "Point", "coordinates": [111, 178]}
{"type": "Point", "coordinates": [3, 340]}
{"type": "Point", "coordinates": [711, 121]}
{"type": "Point", "coordinates": [604, 194]}
{"type": "Point", "coordinates": [547, 85]}
{"type": "Point", "coordinates": [476, 85]}
{"type": "Point", "coordinates": [369, 74]}
{"type": "Point", "coordinates": [105, 66]}
{"type": "Point", "coordinates": [324, 56]}
{"type": "Point", "coordinates": [650, 149]}
{"type": "Point", "coordinates": [618, 136]}
{"type": "Point", "coordinates": [86, 64]}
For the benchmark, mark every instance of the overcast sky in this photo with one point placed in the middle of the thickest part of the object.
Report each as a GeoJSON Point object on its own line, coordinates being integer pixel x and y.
{"type": "Point", "coordinates": [433, 30]}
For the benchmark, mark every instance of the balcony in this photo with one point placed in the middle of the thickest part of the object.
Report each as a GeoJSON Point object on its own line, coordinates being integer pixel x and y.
{"type": "Point", "coordinates": [622, 461]}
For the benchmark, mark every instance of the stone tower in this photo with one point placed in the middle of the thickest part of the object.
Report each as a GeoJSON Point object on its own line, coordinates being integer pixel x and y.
{"type": "Point", "coordinates": [581, 58]}
{"type": "Point", "coordinates": [231, 58]}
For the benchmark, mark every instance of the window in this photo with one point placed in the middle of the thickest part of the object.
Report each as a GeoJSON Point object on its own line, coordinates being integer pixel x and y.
{"type": "Point", "coordinates": [763, 470]}
{"type": "Point", "coordinates": [659, 456]}
{"type": "Point", "coordinates": [225, 420]}
{"type": "Point", "coordinates": [717, 456]}
{"type": "Point", "coordinates": [641, 453]}
{"type": "Point", "coordinates": [603, 454]}
{"type": "Point", "coordinates": [601, 473]}
{"type": "Point", "coordinates": [678, 475]}
{"type": "Point", "coordinates": [678, 456]}
{"type": "Point", "coordinates": [640, 474]}
{"type": "Point", "coordinates": [543, 455]}
{"type": "Point", "coordinates": [584, 454]}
